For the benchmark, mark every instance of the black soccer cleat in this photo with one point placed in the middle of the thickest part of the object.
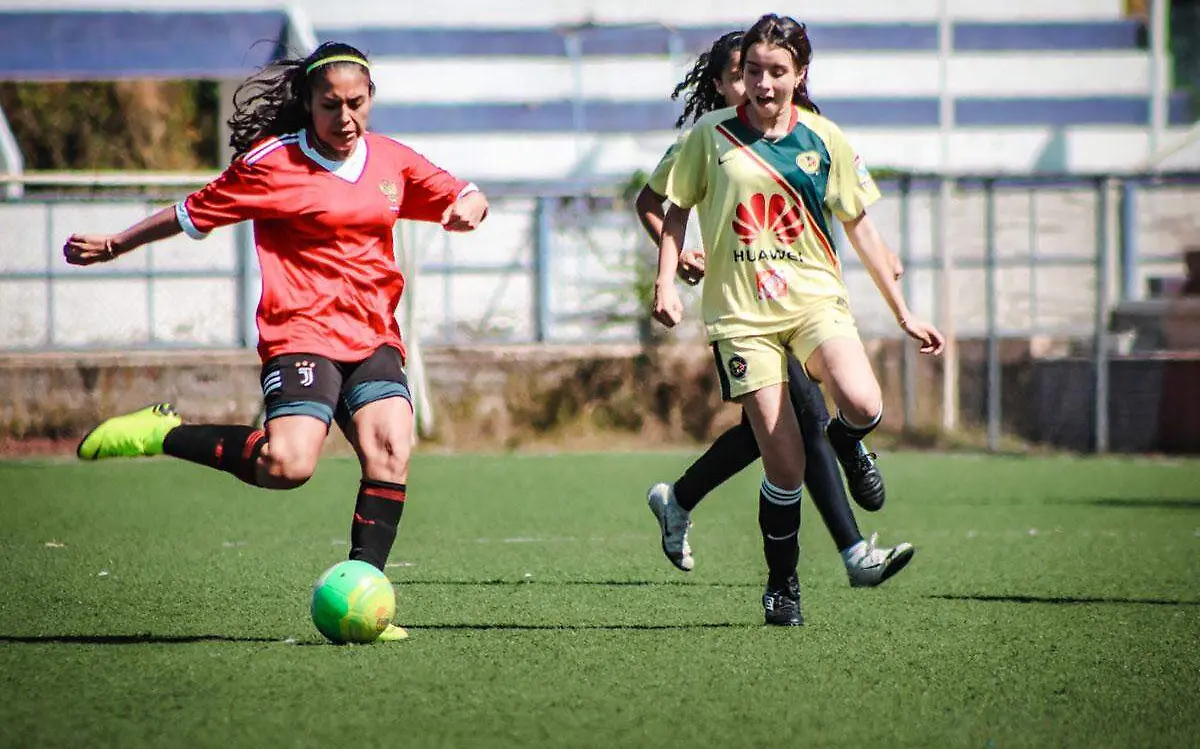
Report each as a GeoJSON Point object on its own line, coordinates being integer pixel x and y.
{"type": "Point", "coordinates": [781, 604]}
{"type": "Point", "coordinates": [862, 473]}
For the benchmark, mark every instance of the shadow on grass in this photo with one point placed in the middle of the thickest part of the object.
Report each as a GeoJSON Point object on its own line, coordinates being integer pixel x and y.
{"type": "Point", "coordinates": [140, 639]}
{"type": "Point", "coordinates": [1067, 600]}
{"type": "Point", "coordinates": [585, 583]}
{"type": "Point", "coordinates": [1156, 503]}
{"type": "Point", "coordinates": [579, 627]}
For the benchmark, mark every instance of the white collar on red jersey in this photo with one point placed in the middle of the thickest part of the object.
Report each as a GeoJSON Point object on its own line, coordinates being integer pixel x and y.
{"type": "Point", "coordinates": [350, 169]}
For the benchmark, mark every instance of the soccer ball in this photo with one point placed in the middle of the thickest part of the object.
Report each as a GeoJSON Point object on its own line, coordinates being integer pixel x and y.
{"type": "Point", "coordinates": [352, 602]}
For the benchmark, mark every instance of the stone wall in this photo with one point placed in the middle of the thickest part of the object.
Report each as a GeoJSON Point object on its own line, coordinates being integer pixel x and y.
{"type": "Point", "coordinates": [509, 397]}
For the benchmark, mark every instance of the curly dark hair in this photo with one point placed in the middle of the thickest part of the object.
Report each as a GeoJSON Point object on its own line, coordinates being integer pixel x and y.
{"type": "Point", "coordinates": [786, 33]}
{"type": "Point", "coordinates": [701, 81]}
{"type": "Point", "coordinates": [273, 101]}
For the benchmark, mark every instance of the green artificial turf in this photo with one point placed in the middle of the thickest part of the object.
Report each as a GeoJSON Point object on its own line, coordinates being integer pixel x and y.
{"type": "Point", "coordinates": [1052, 602]}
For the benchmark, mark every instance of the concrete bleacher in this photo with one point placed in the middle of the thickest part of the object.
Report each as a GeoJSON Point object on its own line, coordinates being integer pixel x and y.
{"type": "Point", "coordinates": [579, 89]}
{"type": "Point", "coordinates": [572, 89]}
{"type": "Point", "coordinates": [1030, 97]}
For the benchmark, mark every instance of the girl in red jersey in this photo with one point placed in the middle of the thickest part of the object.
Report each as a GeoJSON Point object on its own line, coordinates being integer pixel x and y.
{"type": "Point", "coordinates": [323, 194]}
{"type": "Point", "coordinates": [715, 81]}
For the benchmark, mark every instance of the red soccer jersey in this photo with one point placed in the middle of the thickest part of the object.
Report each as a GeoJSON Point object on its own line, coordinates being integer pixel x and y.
{"type": "Point", "coordinates": [323, 231]}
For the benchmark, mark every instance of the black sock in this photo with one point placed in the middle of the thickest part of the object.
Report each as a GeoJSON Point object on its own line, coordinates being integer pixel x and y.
{"type": "Point", "coordinates": [730, 453]}
{"type": "Point", "coordinates": [779, 521]}
{"type": "Point", "coordinates": [232, 448]}
{"type": "Point", "coordinates": [377, 514]}
{"type": "Point", "coordinates": [843, 434]}
{"type": "Point", "coordinates": [824, 479]}
{"type": "Point", "coordinates": [822, 474]}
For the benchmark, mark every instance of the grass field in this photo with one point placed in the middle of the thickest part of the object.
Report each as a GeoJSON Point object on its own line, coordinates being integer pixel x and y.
{"type": "Point", "coordinates": [1053, 602]}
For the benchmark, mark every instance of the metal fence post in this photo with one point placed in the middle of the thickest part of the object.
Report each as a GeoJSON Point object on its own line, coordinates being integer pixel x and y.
{"type": "Point", "coordinates": [1033, 264]}
{"type": "Point", "coordinates": [151, 336]}
{"type": "Point", "coordinates": [51, 260]}
{"type": "Point", "coordinates": [247, 294]}
{"type": "Point", "coordinates": [908, 359]}
{"type": "Point", "coordinates": [946, 306]}
{"type": "Point", "coordinates": [541, 269]}
{"type": "Point", "coordinates": [1100, 338]}
{"type": "Point", "coordinates": [573, 46]}
{"type": "Point", "coordinates": [449, 322]}
{"type": "Point", "coordinates": [993, 336]}
{"type": "Point", "coordinates": [1129, 244]}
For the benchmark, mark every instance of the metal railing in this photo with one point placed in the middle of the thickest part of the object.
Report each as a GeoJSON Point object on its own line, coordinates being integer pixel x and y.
{"type": "Point", "coordinates": [567, 262]}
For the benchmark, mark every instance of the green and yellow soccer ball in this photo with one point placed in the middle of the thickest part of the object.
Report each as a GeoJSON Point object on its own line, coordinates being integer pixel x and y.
{"type": "Point", "coordinates": [352, 602]}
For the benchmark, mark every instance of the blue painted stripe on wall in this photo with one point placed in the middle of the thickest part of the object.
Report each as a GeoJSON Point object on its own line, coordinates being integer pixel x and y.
{"type": "Point", "coordinates": [553, 116]}
{"type": "Point", "coordinates": [999, 37]}
{"type": "Point", "coordinates": [608, 40]}
{"type": "Point", "coordinates": [1096, 110]}
{"type": "Point", "coordinates": [863, 112]}
{"type": "Point", "coordinates": [128, 44]}
{"type": "Point", "coordinates": [655, 40]}
{"type": "Point", "coordinates": [642, 116]}
{"type": "Point", "coordinates": [411, 42]}
{"type": "Point", "coordinates": [219, 44]}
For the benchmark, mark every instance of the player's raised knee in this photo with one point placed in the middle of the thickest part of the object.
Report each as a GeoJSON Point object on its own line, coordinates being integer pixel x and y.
{"type": "Point", "coordinates": [863, 404]}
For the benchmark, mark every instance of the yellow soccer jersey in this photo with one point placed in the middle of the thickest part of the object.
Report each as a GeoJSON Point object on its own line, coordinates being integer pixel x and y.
{"type": "Point", "coordinates": [766, 208]}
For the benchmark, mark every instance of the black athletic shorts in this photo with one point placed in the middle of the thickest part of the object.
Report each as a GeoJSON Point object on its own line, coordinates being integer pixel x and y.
{"type": "Point", "coordinates": [312, 385]}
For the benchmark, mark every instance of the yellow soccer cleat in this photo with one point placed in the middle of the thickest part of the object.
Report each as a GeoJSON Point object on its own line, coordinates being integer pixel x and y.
{"type": "Point", "coordinates": [139, 433]}
{"type": "Point", "coordinates": [393, 633]}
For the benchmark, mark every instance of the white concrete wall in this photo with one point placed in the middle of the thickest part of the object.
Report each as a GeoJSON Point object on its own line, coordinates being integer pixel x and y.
{"type": "Point", "coordinates": [837, 74]}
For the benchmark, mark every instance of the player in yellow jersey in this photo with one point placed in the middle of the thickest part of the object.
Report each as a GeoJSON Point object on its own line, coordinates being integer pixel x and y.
{"type": "Point", "coordinates": [767, 179]}
{"type": "Point", "coordinates": [715, 81]}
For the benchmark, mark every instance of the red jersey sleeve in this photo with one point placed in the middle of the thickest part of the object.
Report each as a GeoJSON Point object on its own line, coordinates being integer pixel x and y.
{"type": "Point", "coordinates": [428, 189]}
{"type": "Point", "coordinates": [242, 192]}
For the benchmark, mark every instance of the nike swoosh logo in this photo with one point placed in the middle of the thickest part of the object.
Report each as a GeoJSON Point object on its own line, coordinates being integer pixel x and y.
{"type": "Point", "coordinates": [727, 156]}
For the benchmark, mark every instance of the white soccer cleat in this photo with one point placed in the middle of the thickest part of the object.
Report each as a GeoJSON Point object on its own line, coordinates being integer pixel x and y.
{"type": "Point", "coordinates": [876, 565]}
{"type": "Point", "coordinates": [674, 522]}
{"type": "Point", "coordinates": [393, 633]}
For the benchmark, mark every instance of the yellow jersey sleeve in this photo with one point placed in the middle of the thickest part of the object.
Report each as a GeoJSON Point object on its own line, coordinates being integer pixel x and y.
{"type": "Point", "coordinates": [851, 187]}
{"type": "Point", "coordinates": [658, 178]}
{"type": "Point", "coordinates": [687, 183]}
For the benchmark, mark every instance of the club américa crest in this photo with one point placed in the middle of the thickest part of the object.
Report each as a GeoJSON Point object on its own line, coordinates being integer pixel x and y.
{"type": "Point", "coordinates": [737, 367]}
{"type": "Point", "coordinates": [809, 162]}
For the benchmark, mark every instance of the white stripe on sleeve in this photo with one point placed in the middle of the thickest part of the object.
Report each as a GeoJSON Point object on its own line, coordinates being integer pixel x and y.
{"type": "Point", "coordinates": [185, 222]}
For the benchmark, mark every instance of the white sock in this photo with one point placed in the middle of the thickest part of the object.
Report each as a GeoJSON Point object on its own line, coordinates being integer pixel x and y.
{"type": "Point", "coordinates": [777, 496]}
{"type": "Point", "coordinates": [861, 427]}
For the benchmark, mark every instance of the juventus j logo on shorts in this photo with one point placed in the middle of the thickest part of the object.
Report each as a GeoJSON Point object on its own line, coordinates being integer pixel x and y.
{"type": "Point", "coordinates": [307, 373]}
